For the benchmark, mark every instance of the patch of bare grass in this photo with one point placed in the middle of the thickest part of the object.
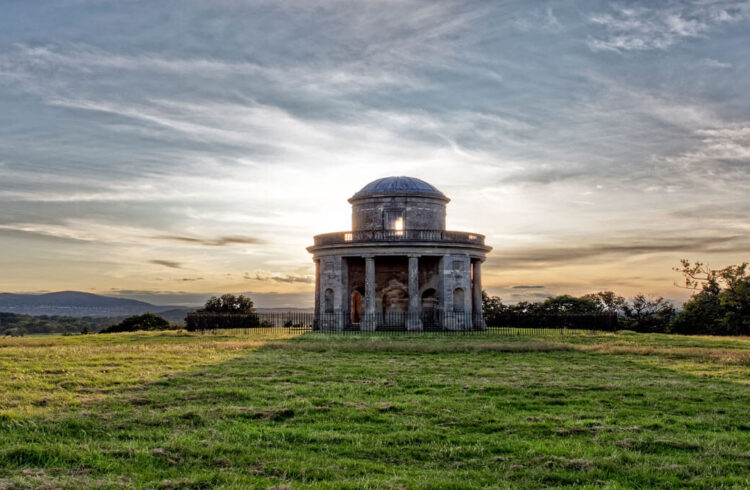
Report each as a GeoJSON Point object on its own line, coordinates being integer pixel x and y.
{"type": "Point", "coordinates": [724, 356]}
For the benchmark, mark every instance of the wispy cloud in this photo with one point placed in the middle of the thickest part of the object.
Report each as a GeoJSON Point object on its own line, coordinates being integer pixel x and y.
{"type": "Point", "coordinates": [167, 263]}
{"type": "Point", "coordinates": [712, 63]}
{"type": "Point", "coordinates": [212, 242]}
{"type": "Point", "coordinates": [640, 28]}
{"type": "Point", "coordinates": [589, 250]}
{"type": "Point", "coordinates": [280, 278]}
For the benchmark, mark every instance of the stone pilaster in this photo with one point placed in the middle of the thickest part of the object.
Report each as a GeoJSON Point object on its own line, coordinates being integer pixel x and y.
{"type": "Point", "coordinates": [317, 294]}
{"type": "Point", "coordinates": [477, 295]}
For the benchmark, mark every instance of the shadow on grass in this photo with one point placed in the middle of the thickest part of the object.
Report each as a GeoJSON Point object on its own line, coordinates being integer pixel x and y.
{"type": "Point", "coordinates": [366, 413]}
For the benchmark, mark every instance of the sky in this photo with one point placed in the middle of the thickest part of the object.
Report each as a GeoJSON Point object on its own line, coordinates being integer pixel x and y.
{"type": "Point", "coordinates": [167, 151]}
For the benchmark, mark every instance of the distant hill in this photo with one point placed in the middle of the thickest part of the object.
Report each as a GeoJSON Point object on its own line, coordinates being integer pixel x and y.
{"type": "Point", "coordinates": [15, 324]}
{"type": "Point", "coordinates": [79, 304]}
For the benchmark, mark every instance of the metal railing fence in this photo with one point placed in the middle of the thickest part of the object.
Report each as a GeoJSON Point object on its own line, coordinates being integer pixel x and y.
{"type": "Point", "coordinates": [433, 321]}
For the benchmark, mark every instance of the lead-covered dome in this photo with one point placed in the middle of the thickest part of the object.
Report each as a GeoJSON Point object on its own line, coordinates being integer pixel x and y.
{"type": "Point", "coordinates": [398, 186]}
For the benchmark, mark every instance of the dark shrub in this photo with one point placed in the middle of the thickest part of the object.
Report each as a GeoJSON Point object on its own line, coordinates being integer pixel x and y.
{"type": "Point", "coordinates": [147, 321]}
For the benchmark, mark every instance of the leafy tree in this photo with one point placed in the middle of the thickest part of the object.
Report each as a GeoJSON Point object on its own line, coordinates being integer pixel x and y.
{"type": "Point", "coordinates": [701, 314]}
{"type": "Point", "coordinates": [567, 304]}
{"type": "Point", "coordinates": [226, 311]}
{"type": "Point", "coordinates": [229, 303]}
{"type": "Point", "coordinates": [147, 321]}
{"type": "Point", "coordinates": [492, 308]}
{"type": "Point", "coordinates": [721, 305]}
{"type": "Point", "coordinates": [607, 301]}
{"type": "Point", "coordinates": [645, 314]}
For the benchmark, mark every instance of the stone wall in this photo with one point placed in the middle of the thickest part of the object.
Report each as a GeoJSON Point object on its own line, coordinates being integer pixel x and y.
{"type": "Point", "coordinates": [419, 213]}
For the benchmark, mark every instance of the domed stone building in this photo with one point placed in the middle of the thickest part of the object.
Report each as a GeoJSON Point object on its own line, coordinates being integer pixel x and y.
{"type": "Point", "coordinates": [398, 267]}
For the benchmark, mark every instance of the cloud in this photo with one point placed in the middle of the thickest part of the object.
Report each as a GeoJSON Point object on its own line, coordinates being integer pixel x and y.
{"type": "Point", "coordinates": [167, 263]}
{"type": "Point", "coordinates": [252, 151]}
{"type": "Point", "coordinates": [530, 258]}
{"type": "Point", "coordinates": [212, 242]}
{"type": "Point", "coordinates": [90, 231]}
{"type": "Point", "coordinates": [712, 63]}
{"type": "Point", "coordinates": [636, 28]}
{"type": "Point", "coordinates": [720, 158]}
{"type": "Point", "coordinates": [528, 287]}
{"type": "Point", "coordinates": [283, 278]}
{"type": "Point", "coordinates": [191, 279]}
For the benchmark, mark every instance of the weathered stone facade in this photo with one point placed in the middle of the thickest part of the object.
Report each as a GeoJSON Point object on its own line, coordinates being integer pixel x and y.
{"type": "Point", "coordinates": [398, 267]}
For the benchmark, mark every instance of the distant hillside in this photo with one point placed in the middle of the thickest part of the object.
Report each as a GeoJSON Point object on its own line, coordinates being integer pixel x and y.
{"type": "Point", "coordinates": [79, 304]}
{"type": "Point", "coordinates": [17, 324]}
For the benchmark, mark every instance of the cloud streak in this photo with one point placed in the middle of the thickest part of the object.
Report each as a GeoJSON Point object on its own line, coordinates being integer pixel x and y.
{"type": "Point", "coordinates": [212, 242]}
{"type": "Point", "coordinates": [639, 28]}
{"type": "Point", "coordinates": [281, 278]}
{"type": "Point", "coordinates": [592, 251]}
{"type": "Point", "coordinates": [167, 263]}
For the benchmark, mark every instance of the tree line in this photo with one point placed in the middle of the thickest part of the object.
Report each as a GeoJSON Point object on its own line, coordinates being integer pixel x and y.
{"type": "Point", "coordinates": [720, 304]}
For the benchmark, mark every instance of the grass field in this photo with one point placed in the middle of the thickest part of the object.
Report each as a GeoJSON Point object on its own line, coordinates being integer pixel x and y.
{"type": "Point", "coordinates": [176, 410]}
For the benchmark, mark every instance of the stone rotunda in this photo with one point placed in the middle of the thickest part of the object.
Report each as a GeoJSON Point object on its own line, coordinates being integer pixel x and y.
{"type": "Point", "coordinates": [398, 268]}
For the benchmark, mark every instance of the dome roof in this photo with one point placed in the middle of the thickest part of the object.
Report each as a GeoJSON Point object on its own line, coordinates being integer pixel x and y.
{"type": "Point", "coordinates": [399, 186]}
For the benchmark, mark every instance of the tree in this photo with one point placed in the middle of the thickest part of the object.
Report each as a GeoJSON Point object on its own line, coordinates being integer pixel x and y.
{"type": "Point", "coordinates": [645, 314]}
{"type": "Point", "coordinates": [229, 303]}
{"type": "Point", "coordinates": [492, 308]}
{"type": "Point", "coordinates": [147, 321]}
{"type": "Point", "coordinates": [567, 304]}
{"type": "Point", "coordinates": [606, 301]}
{"type": "Point", "coordinates": [721, 305]}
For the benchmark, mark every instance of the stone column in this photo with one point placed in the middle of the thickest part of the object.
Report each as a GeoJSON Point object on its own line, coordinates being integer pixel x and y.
{"type": "Point", "coordinates": [477, 295]}
{"type": "Point", "coordinates": [414, 322]}
{"type": "Point", "coordinates": [369, 321]}
{"type": "Point", "coordinates": [316, 320]}
{"type": "Point", "coordinates": [465, 283]}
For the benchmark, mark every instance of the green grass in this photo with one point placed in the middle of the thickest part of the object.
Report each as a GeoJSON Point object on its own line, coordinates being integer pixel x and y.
{"type": "Point", "coordinates": [176, 410]}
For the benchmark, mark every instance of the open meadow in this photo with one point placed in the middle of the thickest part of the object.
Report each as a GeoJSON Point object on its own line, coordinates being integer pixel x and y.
{"type": "Point", "coordinates": [177, 410]}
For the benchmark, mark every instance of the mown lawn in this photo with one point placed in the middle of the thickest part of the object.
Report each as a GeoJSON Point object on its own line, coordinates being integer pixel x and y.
{"type": "Point", "coordinates": [178, 410]}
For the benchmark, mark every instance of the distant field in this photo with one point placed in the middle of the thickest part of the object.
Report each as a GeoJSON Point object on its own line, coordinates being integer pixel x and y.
{"type": "Point", "coordinates": [176, 410]}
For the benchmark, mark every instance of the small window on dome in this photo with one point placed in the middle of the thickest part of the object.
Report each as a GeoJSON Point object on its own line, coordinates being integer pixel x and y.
{"type": "Point", "coordinates": [393, 220]}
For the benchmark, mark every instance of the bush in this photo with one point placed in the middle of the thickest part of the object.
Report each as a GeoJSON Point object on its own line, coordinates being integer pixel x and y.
{"type": "Point", "coordinates": [147, 321]}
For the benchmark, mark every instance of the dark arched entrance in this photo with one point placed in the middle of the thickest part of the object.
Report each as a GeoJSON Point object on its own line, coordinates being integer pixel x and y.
{"type": "Point", "coordinates": [355, 307]}
{"type": "Point", "coordinates": [429, 309]}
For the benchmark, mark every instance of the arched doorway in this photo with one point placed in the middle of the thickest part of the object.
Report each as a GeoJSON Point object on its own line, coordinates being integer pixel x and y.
{"type": "Point", "coordinates": [356, 307]}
